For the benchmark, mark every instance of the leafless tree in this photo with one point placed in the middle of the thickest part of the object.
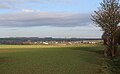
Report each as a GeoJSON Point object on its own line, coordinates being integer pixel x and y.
{"type": "Point", "coordinates": [108, 17]}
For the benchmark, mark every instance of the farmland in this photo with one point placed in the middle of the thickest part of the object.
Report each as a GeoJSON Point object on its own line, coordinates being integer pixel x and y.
{"type": "Point", "coordinates": [37, 59]}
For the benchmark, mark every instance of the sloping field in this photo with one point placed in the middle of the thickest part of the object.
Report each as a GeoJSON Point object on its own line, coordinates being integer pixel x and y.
{"type": "Point", "coordinates": [27, 59]}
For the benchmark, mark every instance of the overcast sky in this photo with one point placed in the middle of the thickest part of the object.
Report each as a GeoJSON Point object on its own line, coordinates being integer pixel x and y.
{"type": "Point", "coordinates": [48, 18]}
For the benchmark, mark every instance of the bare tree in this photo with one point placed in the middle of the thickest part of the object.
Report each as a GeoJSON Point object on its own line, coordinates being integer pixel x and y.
{"type": "Point", "coordinates": [108, 17]}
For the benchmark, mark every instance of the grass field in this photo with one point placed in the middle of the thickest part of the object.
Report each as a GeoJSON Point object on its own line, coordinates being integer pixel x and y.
{"type": "Point", "coordinates": [34, 59]}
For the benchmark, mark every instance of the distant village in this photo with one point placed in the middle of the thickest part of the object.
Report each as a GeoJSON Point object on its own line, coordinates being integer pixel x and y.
{"type": "Point", "coordinates": [49, 41]}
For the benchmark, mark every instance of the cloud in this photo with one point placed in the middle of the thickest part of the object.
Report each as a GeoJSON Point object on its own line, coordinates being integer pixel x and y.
{"type": "Point", "coordinates": [34, 1]}
{"type": "Point", "coordinates": [4, 6]}
{"type": "Point", "coordinates": [28, 10]}
{"type": "Point", "coordinates": [45, 1]}
{"type": "Point", "coordinates": [30, 19]}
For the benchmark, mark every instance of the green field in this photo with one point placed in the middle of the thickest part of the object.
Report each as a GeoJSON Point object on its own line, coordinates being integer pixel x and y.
{"type": "Point", "coordinates": [35, 59]}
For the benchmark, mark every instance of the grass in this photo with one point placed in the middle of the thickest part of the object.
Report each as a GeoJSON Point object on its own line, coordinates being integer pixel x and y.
{"type": "Point", "coordinates": [34, 59]}
{"type": "Point", "coordinates": [114, 65]}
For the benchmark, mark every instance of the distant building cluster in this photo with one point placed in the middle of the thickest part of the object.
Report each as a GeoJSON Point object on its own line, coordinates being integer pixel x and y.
{"type": "Point", "coordinates": [70, 42]}
{"type": "Point", "coordinates": [34, 41]}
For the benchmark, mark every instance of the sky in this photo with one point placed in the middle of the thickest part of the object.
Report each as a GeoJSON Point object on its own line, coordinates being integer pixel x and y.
{"type": "Point", "coordinates": [48, 18]}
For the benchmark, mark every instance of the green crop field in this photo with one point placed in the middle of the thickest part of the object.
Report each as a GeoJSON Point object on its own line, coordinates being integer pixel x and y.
{"type": "Point", "coordinates": [36, 59]}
